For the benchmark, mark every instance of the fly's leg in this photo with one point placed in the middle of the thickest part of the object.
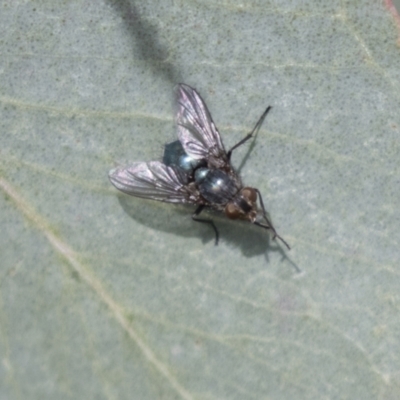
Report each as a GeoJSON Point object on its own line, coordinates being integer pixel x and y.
{"type": "Point", "coordinates": [247, 137]}
{"type": "Point", "coordinates": [206, 221]}
{"type": "Point", "coordinates": [273, 230]}
{"type": "Point", "coordinates": [269, 223]}
{"type": "Point", "coordinates": [264, 213]}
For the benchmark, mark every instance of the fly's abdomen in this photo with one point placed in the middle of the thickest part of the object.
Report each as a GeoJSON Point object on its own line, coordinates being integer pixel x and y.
{"type": "Point", "coordinates": [174, 154]}
{"type": "Point", "coordinates": [217, 187]}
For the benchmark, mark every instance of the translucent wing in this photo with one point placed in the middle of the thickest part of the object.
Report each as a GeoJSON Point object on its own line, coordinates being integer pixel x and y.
{"type": "Point", "coordinates": [153, 180]}
{"type": "Point", "coordinates": [196, 129]}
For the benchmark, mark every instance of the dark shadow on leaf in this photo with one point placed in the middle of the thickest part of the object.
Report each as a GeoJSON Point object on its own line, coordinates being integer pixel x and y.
{"type": "Point", "coordinates": [145, 40]}
{"type": "Point", "coordinates": [176, 219]}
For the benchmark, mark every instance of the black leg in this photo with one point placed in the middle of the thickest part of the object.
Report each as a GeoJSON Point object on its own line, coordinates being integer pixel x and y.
{"type": "Point", "coordinates": [206, 221]}
{"type": "Point", "coordinates": [261, 202]}
{"type": "Point", "coordinates": [247, 137]}
{"type": "Point", "coordinates": [273, 230]}
{"type": "Point", "coordinates": [269, 223]}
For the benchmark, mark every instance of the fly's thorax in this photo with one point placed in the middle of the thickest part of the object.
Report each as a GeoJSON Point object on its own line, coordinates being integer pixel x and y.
{"type": "Point", "coordinates": [243, 205]}
{"type": "Point", "coordinates": [216, 186]}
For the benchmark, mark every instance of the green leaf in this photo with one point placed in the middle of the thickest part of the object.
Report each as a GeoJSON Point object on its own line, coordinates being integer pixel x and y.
{"type": "Point", "coordinates": [105, 296]}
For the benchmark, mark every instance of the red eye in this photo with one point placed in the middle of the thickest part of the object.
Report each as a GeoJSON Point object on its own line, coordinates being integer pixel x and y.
{"type": "Point", "coordinates": [249, 194]}
{"type": "Point", "coordinates": [232, 211]}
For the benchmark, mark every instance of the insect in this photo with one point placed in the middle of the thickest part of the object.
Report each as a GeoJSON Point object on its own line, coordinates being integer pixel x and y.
{"type": "Point", "coordinates": [196, 169]}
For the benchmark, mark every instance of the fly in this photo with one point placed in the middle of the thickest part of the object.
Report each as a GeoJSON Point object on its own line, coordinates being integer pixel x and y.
{"type": "Point", "coordinates": [196, 169]}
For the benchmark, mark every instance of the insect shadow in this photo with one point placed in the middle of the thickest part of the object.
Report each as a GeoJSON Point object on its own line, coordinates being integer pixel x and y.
{"type": "Point", "coordinates": [176, 220]}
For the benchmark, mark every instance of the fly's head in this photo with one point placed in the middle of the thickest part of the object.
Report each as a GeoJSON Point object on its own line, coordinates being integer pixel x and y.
{"type": "Point", "coordinates": [243, 205]}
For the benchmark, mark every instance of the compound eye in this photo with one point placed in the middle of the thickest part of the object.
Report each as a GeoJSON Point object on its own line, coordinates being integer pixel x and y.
{"type": "Point", "coordinates": [249, 194]}
{"type": "Point", "coordinates": [232, 211]}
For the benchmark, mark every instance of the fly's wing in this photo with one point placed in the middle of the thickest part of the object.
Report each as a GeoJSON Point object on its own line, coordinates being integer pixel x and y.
{"type": "Point", "coordinates": [153, 180]}
{"type": "Point", "coordinates": [196, 129]}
